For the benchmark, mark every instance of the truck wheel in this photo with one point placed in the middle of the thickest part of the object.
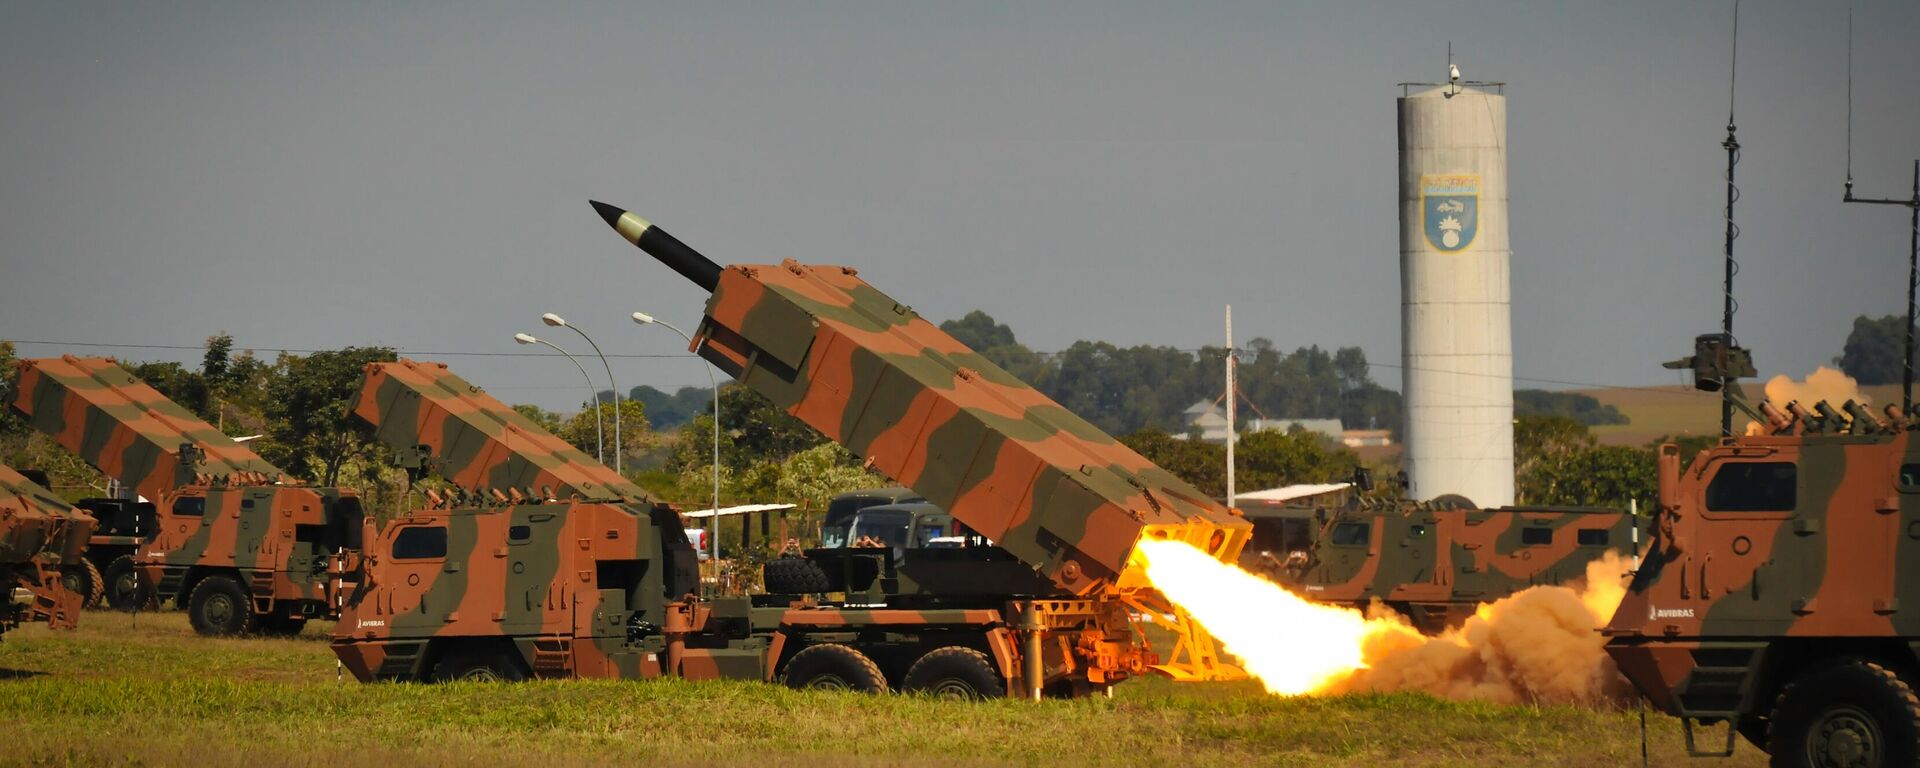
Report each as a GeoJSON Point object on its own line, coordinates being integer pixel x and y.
{"type": "Point", "coordinates": [1847, 712]}
{"type": "Point", "coordinates": [834, 667]}
{"type": "Point", "coordinates": [83, 579]}
{"type": "Point", "coordinates": [478, 664]}
{"type": "Point", "coordinates": [955, 672]}
{"type": "Point", "coordinates": [794, 576]}
{"type": "Point", "coordinates": [123, 588]}
{"type": "Point", "coordinates": [218, 606]}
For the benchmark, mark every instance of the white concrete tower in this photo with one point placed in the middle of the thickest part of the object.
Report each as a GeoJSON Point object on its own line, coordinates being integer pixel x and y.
{"type": "Point", "coordinates": [1456, 330]}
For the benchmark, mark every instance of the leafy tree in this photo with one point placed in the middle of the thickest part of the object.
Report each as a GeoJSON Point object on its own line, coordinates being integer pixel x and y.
{"type": "Point", "coordinates": [186, 387]}
{"type": "Point", "coordinates": [1581, 408]}
{"type": "Point", "coordinates": [753, 429]}
{"type": "Point", "coordinates": [995, 342]}
{"type": "Point", "coordinates": [635, 434]}
{"type": "Point", "coordinates": [547, 420]}
{"type": "Point", "coordinates": [814, 476]}
{"type": "Point", "coordinates": [1264, 459]}
{"type": "Point", "coordinates": [670, 411]}
{"type": "Point", "coordinates": [1872, 353]}
{"type": "Point", "coordinates": [307, 409]}
{"type": "Point", "coordinates": [1594, 476]}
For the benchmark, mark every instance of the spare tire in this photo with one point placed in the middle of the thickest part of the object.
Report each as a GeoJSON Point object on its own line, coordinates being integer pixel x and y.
{"type": "Point", "coordinates": [794, 576]}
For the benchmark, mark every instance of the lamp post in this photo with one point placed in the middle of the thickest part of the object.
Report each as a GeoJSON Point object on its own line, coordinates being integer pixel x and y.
{"type": "Point", "coordinates": [643, 318]}
{"type": "Point", "coordinates": [600, 444]}
{"type": "Point", "coordinates": [557, 321]}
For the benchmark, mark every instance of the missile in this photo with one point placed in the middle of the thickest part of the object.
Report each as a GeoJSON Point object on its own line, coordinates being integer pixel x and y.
{"type": "Point", "coordinates": [657, 243]}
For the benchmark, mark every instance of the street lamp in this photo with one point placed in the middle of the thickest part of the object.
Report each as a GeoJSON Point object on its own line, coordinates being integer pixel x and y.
{"type": "Point", "coordinates": [593, 397]}
{"type": "Point", "coordinates": [642, 318]}
{"type": "Point", "coordinates": [557, 321]}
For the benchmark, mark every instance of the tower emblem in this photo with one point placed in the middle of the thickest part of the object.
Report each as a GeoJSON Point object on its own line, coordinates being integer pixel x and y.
{"type": "Point", "coordinates": [1450, 210]}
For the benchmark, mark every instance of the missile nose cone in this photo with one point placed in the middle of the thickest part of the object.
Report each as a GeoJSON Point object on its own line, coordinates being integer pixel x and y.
{"type": "Point", "coordinates": [608, 212]}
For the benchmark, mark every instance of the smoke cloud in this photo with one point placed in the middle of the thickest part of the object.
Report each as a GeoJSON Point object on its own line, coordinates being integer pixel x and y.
{"type": "Point", "coordinates": [1823, 384]}
{"type": "Point", "coordinates": [1535, 646]}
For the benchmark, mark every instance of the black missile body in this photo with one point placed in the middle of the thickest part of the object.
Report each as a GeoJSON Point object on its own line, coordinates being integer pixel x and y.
{"type": "Point", "coordinates": [657, 243]}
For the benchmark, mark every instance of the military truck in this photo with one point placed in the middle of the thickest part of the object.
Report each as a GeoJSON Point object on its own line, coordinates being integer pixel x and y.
{"type": "Point", "coordinates": [1769, 598]}
{"type": "Point", "coordinates": [235, 542]}
{"type": "Point", "coordinates": [119, 525]}
{"type": "Point", "coordinates": [1047, 609]}
{"type": "Point", "coordinates": [39, 535]}
{"type": "Point", "coordinates": [1436, 562]}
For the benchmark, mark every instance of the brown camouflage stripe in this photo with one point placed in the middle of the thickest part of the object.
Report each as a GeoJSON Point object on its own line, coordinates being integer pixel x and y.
{"type": "Point", "coordinates": [939, 418]}
{"type": "Point", "coordinates": [476, 441]}
{"type": "Point", "coordinates": [122, 427]}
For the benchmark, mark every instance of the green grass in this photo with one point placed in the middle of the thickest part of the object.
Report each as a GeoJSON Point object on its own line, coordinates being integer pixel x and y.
{"type": "Point", "coordinates": [149, 692]}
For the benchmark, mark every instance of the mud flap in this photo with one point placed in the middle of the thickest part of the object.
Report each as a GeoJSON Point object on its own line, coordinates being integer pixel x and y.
{"type": "Point", "coordinates": [1686, 729]}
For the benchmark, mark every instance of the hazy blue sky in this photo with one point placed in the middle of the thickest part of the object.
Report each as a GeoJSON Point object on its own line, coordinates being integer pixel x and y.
{"type": "Point", "coordinates": [316, 175]}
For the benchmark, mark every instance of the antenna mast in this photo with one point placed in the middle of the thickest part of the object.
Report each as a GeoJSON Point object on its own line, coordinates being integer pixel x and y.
{"type": "Point", "coordinates": [1732, 145]}
{"type": "Point", "coordinates": [1912, 202]}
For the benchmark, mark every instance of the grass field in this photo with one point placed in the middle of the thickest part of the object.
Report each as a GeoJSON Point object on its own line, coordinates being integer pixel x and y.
{"type": "Point", "coordinates": [146, 691]}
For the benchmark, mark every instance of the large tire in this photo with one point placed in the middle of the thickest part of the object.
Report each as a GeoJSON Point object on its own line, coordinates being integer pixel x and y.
{"type": "Point", "coordinates": [1845, 712]}
{"type": "Point", "coordinates": [478, 664]}
{"type": "Point", "coordinates": [794, 576]}
{"type": "Point", "coordinates": [122, 586]}
{"type": "Point", "coordinates": [84, 579]}
{"type": "Point", "coordinates": [219, 607]}
{"type": "Point", "coordinates": [955, 672]}
{"type": "Point", "coordinates": [834, 667]}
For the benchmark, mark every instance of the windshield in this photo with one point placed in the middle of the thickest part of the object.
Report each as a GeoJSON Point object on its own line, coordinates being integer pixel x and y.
{"type": "Point", "coordinates": [887, 527]}
{"type": "Point", "coordinates": [833, 535]}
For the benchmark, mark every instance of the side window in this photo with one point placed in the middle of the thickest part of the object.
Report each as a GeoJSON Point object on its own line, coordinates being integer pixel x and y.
{"type": "Point", "coordinates": [1910, 477]}
{"type": "Point", "coordinates": [1352, 534]}
{"type": "Point", "coordinates": [1535, 537]}
{"type": "Point", "coordinates": [1769, 486]}
{"type": "Point", "coordinates": [420, 543]}
{"type": "Point", "coordinates": [190, 506]}
{"type": "Point", "coordinates": [1594, 537]}
{"type": "Point", "coordinates": [1416, 531]}
{"type": "Point", "coordinates": [519, 534]}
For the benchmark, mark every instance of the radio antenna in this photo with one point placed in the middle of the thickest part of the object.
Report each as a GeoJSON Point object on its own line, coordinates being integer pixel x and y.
{"type": "Point", "coordinates": [1732, 145]}
{"type": "Point", "coordinates": [1912, 203]}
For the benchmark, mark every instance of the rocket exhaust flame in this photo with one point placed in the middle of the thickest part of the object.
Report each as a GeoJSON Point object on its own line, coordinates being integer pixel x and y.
{"type": "Point", "coordinates": [1537, 646]}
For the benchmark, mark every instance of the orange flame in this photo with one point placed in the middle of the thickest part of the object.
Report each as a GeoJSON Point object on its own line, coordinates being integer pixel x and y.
{"type": "Point", "coordinates": [1538, 645]}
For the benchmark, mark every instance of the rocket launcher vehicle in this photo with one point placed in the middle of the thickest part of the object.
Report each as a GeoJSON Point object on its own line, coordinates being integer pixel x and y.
{"type": "Point", "coordinates": [127, 430]}
{"type": "Point", "coordinates": [939, 418]}
{"type": "Point", "coordinates": [39, 532]}
{"type": "Point", "coordinates": [441, 422]}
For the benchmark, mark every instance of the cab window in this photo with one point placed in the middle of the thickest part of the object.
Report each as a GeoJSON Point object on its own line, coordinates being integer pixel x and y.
{"type": "Point", "coordinates": [1910, 477]}
{"type": "Point", "coordinates": [190, 506]}
{"type": "Point", "coordinates": [1765, 486]}
{"type": "Point", "coordinates": [1352, 534]}
{"type": "Point", "coordinates": [420, 543]}
{"type": "Point", "coordinates": [1594, 537]}
{"type": "Point", "coordinates": [1536, 537]}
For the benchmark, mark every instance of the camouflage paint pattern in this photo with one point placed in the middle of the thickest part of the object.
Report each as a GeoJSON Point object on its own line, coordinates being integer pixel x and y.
{"type": "Point", "coordinates": [1437, 565]}
{"type": "Point", "coordinates": [39, 532]}
{"type": "Point", "coordinates": [1729, 604]}
{"type": "Point", "coordinates": [937, 417]}
{"type": "Point", "coordinates": [477, 442]}
{"type": "Point", "coordinates": [105, 415]}
{"type": "Point", "coordinates": [220, 508]}
{"type": "Point", "coordinates": [573, 588]}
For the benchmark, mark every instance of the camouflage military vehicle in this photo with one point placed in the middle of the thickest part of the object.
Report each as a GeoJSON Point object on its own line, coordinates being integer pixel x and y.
{"type": "Point", "coordinates": [1769, 597]}
{"type": "Point", "coordinates": [234, 542]}
{"type": "Point", "coordinates": [1437, 562]}
{"type": "Point", "coordinates": [120, 527]}
{"type": "Point", "coordinates": [39, 534]}
{"type": "Point", "coordinates": [1049, 609]}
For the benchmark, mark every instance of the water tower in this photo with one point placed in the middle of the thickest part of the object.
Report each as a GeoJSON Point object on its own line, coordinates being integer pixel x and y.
{"type": "Point", "coordinates": [1457, 335]}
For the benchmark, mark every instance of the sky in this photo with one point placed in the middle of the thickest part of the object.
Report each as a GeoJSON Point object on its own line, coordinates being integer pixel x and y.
{"type": "Point", "coordinates": [319, 175]}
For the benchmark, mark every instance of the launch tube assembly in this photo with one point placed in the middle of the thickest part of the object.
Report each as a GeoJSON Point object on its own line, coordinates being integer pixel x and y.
{"type": "Point", "coordinates": [921, 407]}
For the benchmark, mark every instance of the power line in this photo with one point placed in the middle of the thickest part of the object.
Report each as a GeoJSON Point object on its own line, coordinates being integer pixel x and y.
{"type": "Point", "coordinates": [1035, 353]}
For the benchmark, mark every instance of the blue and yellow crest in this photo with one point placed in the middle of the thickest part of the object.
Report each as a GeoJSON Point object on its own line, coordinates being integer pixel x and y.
{"type": "Point", "coordinates": [1450, 210]}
